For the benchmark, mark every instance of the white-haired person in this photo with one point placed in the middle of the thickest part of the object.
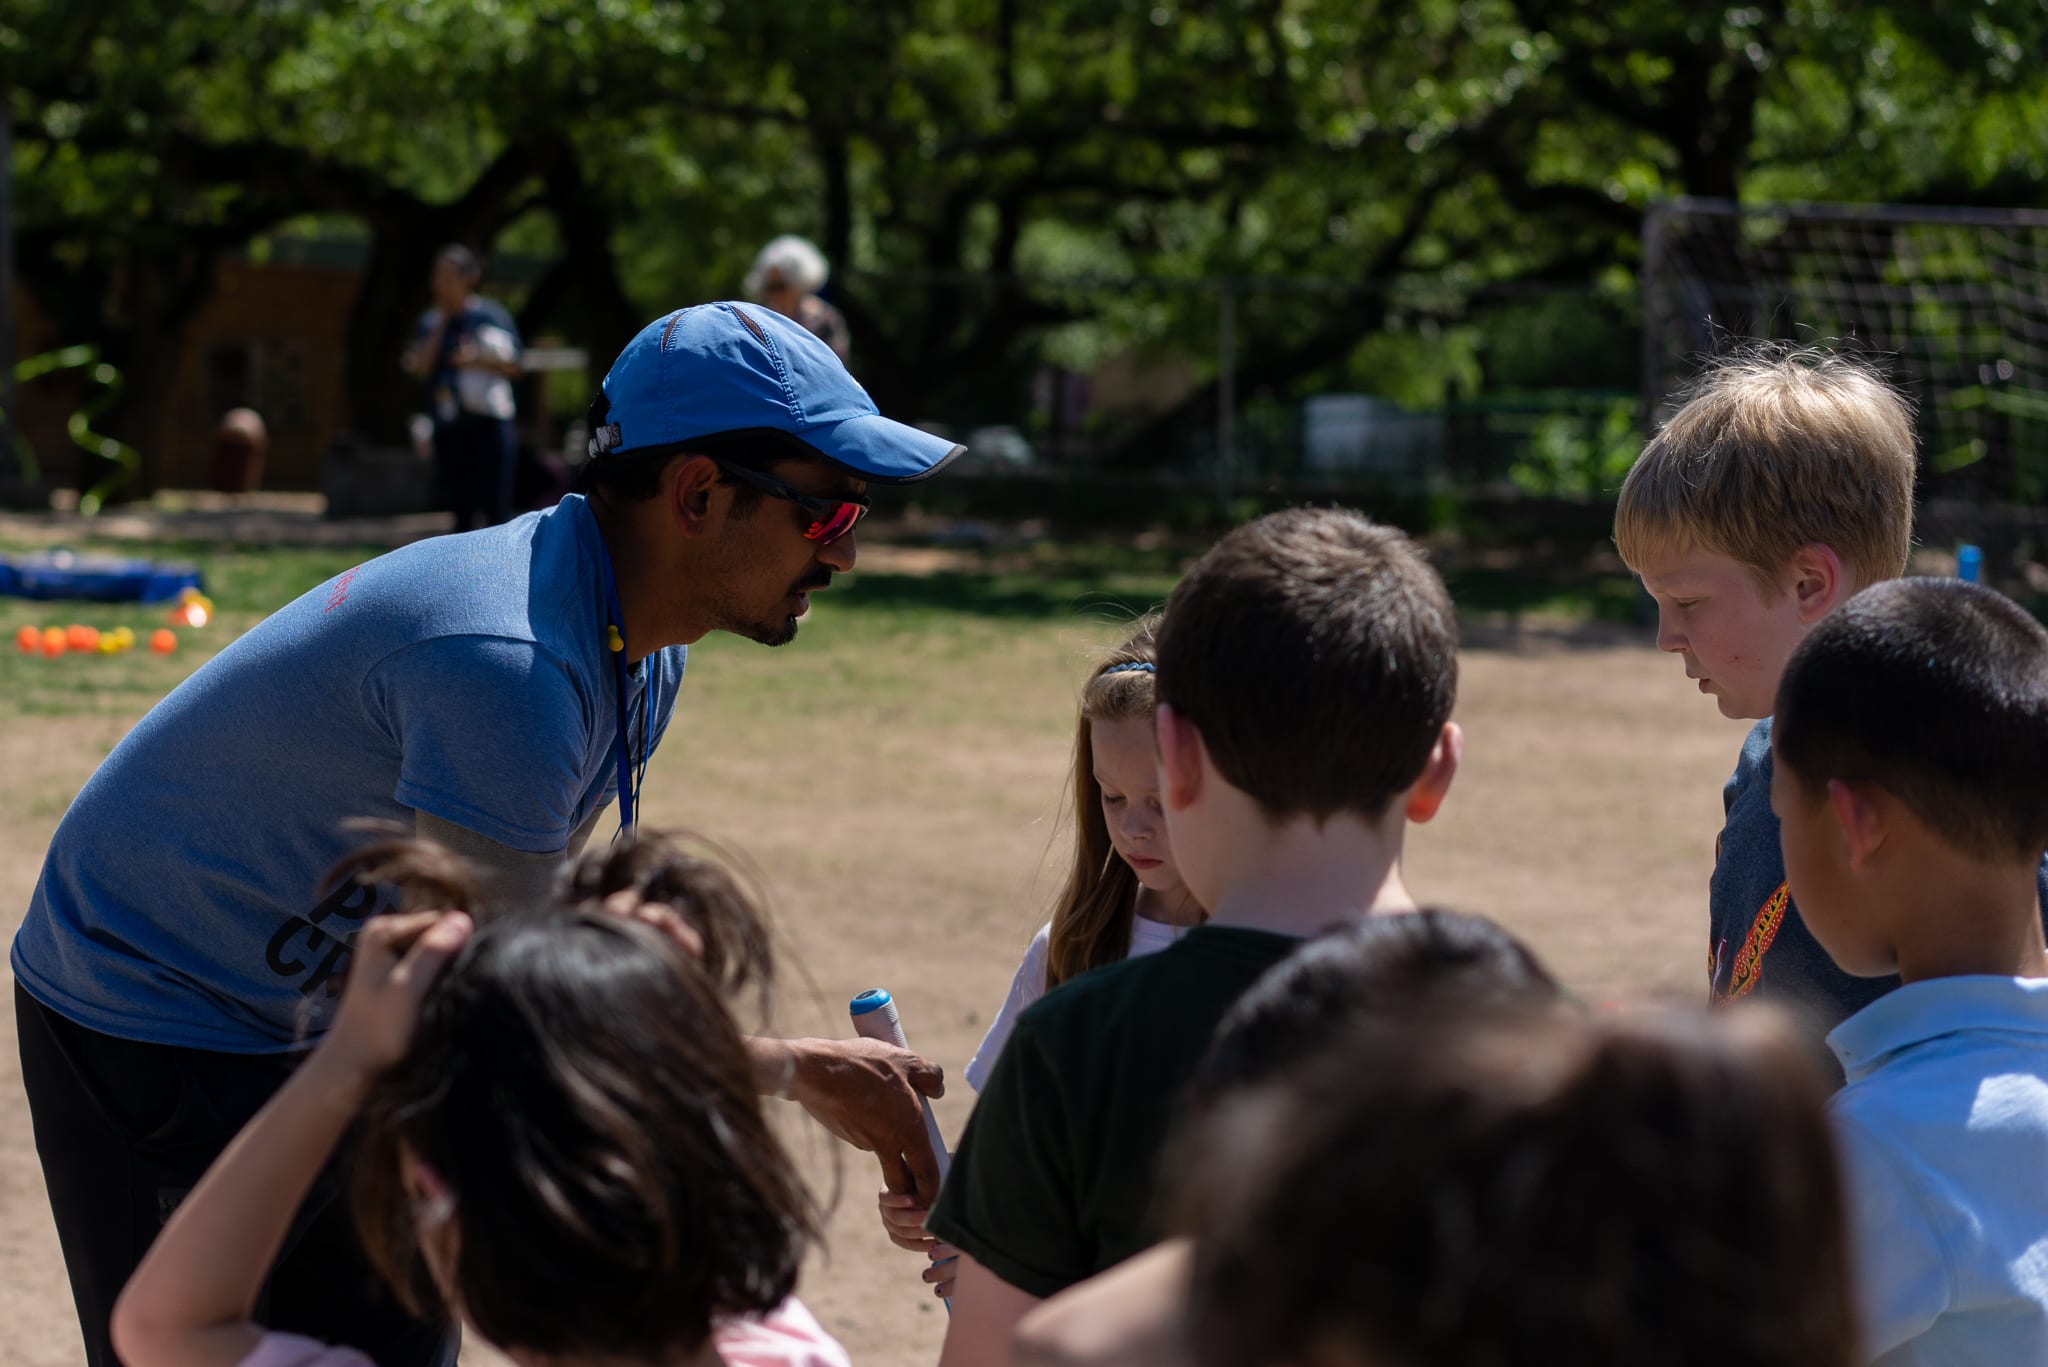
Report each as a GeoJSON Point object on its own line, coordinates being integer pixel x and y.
{"type": "Point", "coordinates": [786, 276]}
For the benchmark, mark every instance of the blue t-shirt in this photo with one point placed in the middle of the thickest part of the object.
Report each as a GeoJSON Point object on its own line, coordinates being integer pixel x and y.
{"type": "Point", "coordinates": [465, 676]}
{"type": "Point", "coordinates": [1944, 1135]}
{"type": "Point", "coordinates": [1757, 941]}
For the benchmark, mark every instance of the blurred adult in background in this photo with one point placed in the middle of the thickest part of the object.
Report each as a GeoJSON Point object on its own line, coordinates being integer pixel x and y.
{"type": "Point", "coordinates": [787, 276]}
{"type": "Point", "coordinates": [466, 348]}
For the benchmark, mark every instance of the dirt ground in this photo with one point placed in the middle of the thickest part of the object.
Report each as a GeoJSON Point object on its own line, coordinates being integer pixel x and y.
{"type": "Point", "coordinates": [908, 842]}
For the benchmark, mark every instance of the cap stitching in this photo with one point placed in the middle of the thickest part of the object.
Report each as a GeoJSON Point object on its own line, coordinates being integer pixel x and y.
{"type": "Point", "coordinates": [775, 355]}
{"type": "Point", "coordinates": [670, 330]}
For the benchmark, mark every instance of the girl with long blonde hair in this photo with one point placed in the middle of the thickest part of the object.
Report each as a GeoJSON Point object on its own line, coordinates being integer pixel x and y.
{"type": "Point", "coordinates": [1123, 894]}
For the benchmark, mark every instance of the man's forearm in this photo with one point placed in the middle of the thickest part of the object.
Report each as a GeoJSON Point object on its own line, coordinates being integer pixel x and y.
{"type": "Point", "coordinates": [512, 878]}
{"type": "Point", "coordinates": [775, 1065]}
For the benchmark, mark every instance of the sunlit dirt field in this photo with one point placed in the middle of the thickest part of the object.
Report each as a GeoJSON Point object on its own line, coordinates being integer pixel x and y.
{"type": "Point", "coordinates": [899, 791]}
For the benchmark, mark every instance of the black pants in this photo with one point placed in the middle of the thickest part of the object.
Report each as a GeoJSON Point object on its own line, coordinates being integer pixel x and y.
{"type": "Point", "coordinates": [125, 1129]}
{"type": "Point", "coordinates": [473, 457]}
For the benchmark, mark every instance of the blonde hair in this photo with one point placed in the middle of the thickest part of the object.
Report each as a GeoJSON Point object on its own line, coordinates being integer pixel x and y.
{"type": "Point", "coordinates": [1778, 447]}
{"type": "Point", "coordinates": [1091, 921]}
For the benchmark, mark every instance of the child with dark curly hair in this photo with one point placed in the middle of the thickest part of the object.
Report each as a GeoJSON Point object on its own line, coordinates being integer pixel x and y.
{"type": "Point", "coordinates": [558, 1140]}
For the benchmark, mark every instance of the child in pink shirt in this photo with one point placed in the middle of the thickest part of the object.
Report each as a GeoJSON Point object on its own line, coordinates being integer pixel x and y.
{"type": "Point", "coordinates": [555, 1135]}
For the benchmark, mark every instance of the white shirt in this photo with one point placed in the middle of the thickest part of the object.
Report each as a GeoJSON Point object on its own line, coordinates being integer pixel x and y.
{"type": "Point", "coordinates": [1147, 937]}
{"type": "Point", "coordinates": [482, 390]}
{"type": "Point", "coordinates": [1944, 1134]}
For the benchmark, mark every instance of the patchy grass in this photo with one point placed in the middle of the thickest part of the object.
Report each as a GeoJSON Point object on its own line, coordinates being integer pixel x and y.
{"type": "Point", "coordinates": [1573, 596]}
{"type": "Point", "coordinates": [897, 776]}
{"type": "Point", "coordinates": [874, 633]}
{"type": "Point", "coordinates": [246, 583]}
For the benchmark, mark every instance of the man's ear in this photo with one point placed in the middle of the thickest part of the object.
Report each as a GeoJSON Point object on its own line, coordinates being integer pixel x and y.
{"type": "Point", "coordinates": [1181, 756]}
{"type": "Point", "coordinates": [1818, 582]}
{"type": "Point", "coordinates": [1427, 793]}
{"type": "Point", "coordinates": [691, 487]}
{"type": "Point", "coordinates": [1863, 821]}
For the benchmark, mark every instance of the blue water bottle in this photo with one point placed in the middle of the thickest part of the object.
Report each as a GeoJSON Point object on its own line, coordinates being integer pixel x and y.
{"type": "Point", "coordinates": [1969, 563]}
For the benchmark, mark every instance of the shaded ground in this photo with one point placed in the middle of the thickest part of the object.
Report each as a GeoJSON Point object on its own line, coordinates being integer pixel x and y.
{"type": "Point", "coordinates": [897, 775]}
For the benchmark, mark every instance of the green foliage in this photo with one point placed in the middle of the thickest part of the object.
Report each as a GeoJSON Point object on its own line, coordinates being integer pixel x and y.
{"type": "Point", "coordinates": [78, 426]}
{"type": "Point", "coordinates": [1579, 454]}
{"type": "Point", "coordinates": [1421, 156]}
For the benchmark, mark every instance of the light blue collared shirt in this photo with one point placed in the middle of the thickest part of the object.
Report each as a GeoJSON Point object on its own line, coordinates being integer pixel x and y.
{"type": "Point", "coordinates": [1944, 1133]}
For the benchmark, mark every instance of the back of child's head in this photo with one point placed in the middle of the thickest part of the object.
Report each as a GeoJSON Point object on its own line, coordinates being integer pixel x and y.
{"type": "Point", "coordinates": [1777, 447]}
{"type": "Point", "coordinates": [695, 880]}
{"type": "Point", "coordinates": [1512, 1188]}
{"type": "Point", "coordinates": [1091, 921]}
{"type": "Point", "coordinates": [579, 1088]}
{"type": "Point", "coordinates": [1317, 654]}
{"type": "Point", "coordinates": [1935, 690]}
{"type": "Point", "coordinates": [1388, 970]}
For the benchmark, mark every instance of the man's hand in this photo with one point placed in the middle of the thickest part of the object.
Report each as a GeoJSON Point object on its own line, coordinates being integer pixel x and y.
{"type": "Point", "coordinates": [866, 1092]}
{"type": "Point", "coordinates": [481, 352]}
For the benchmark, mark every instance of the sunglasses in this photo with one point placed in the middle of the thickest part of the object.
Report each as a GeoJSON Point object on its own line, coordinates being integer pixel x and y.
{"type": "Point", "coordinates": [831, 518]}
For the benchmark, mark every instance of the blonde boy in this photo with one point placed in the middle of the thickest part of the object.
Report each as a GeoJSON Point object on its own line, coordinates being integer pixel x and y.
{"type": "Point", "coordinates": [1783, 486]}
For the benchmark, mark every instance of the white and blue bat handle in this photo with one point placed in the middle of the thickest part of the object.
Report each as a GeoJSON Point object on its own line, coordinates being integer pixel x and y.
{"type": "Point", "coordinates": [874, 1017]}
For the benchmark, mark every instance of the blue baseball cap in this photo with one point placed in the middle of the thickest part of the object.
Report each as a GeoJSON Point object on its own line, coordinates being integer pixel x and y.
{"type": "Point", "coordinates": [729, 371]}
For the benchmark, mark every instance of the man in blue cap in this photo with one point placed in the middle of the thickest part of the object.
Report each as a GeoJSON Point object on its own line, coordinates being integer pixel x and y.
{"type": "Point", "coordinates": [493, 691]}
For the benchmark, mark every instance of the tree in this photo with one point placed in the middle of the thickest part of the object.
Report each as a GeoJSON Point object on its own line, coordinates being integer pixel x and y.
{"type": "Point", "coordinates": [960, 159]}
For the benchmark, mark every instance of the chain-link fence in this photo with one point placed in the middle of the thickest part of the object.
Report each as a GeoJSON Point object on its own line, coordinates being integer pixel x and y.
{"type": "Point", "coordinates": [1950, 302]}
{"type": "Point", "coordinates": [1233, 385]}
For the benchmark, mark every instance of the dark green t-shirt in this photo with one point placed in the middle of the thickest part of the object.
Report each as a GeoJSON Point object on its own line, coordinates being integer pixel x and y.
{"type": "Point", "coordinates": [1056, 1175]}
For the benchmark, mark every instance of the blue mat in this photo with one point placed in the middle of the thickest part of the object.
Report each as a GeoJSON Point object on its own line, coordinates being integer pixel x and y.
{"type": "Point", "coordinates": [101, 578]}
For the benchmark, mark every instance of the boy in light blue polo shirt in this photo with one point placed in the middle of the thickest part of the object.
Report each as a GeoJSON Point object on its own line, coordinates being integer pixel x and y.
{"type": "Point", "coordinates": [1911, 788]}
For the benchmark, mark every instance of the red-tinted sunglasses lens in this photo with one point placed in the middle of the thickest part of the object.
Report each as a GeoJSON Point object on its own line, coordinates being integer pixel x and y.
{"type": "Point", "coordinates": [835, 524]}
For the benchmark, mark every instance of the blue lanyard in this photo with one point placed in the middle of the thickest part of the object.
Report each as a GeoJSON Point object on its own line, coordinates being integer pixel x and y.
{"type": "Point", "coordinates": [630, 774]}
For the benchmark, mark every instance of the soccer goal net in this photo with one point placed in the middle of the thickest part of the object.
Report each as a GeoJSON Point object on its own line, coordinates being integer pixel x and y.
{"type": "Point", "coordinates": [1952, 303]}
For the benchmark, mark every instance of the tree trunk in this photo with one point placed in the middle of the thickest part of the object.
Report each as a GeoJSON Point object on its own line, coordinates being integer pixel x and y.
{"type": "Point", "coordinates": [140, 326]}
{"type": "Point", "coordinates": [581, 294]}
{"type": "Point", "coordinates": [379, 395]}
{"type": "Point", "coordinates": [834, 159]}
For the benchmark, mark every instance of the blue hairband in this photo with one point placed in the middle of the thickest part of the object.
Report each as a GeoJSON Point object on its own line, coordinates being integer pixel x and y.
{"type": "Point", "coordinates": [1127, 666]}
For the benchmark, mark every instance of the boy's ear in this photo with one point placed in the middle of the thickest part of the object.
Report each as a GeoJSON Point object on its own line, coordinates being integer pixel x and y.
{"type": "Point", "coordinates": [1862, 820]}
{"type": "Point", "coordinates": [1181, 757]}
{"type": "Point", "coordinates": [692, 484]}
{"type": "Point", "coordinates": [1427, 793]}
{"type": "Point", "coordinates": [1818, 582]}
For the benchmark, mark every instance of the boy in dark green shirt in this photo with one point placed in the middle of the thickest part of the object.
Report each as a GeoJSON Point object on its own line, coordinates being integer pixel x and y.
{"type": "Point", "coordinates": [1306, 672]}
